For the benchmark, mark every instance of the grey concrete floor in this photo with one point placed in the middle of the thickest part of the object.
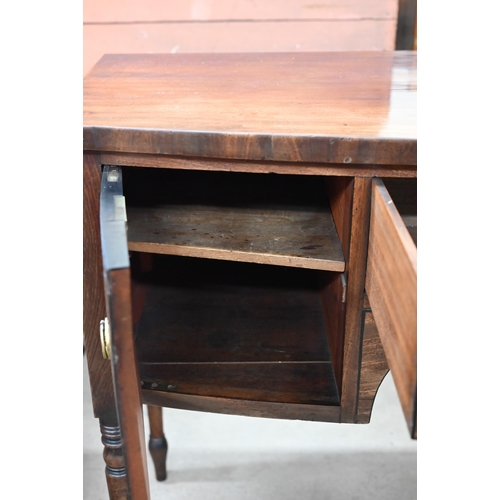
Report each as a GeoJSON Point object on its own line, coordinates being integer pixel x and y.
{"type": "Point", "coordinates": [227, 457]}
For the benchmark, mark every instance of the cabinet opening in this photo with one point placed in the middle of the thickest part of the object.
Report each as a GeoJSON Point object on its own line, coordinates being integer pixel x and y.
{"type": "Point", "coordinates": [404, 195]}
{"type": "Point", "coordinates": [234, 330]}
{"type": "Point", "coordinates": [273, 219]}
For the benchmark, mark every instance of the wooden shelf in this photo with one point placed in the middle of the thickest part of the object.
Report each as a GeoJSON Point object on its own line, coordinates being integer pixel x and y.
{"type": "Point", "coordinates": [266, 219]}
{"type": "Point", "coordinates": [235, 330]}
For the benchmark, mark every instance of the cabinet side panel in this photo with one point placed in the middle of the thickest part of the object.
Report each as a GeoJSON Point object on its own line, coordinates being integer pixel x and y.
{"type": "Point", "coordinates": [334, 313]}
{"type": "Point", "coordinates": [94, 308]}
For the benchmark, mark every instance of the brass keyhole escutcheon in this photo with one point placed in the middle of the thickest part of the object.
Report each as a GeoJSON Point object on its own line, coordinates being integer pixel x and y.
{"type": "Point", "coordinates": [104, 331]}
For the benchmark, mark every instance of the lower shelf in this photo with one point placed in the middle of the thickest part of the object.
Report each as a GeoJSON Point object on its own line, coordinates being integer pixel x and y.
{"type": "Point", "coordinates": [235, 331]}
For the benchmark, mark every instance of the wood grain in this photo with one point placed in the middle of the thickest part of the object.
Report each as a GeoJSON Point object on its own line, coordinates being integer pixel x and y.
{"type": "Point", "coordinates": [391, 285]}
{"type": "Point", "coordinates": [126, 381]}
{"type": "Point", "coordinates": [241, 235]}
{"type": "Point", "coordinates": [94, 307]}
{"type": "Point", "coordinates": [333, 300]}
{"type": "Point", "coordinates": [373, 368]}
{"type": "Point", "coordinates": [242, 36]}
{"type": "Point", "coordinates": [280, 220]}
{"type": "Point", "coordinates": [258, 167]}
{"type": "Point", "coordinates": [281, 382]}
{"type": "Point", "coordinates": [355, 292]}
{"type": "Point", "coordinates": [156, 26]}
{"type": "Point", "coordinates": [340, 196]}
{"type": "Point", "coordinates": [304, 107]}
{"type": "Point", "coordinates": [317, 413]}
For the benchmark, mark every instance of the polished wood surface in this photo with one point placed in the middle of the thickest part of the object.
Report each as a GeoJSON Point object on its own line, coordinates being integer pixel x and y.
{"type": "Point", "coordinates": [241, 36]}
{"type": "Point", "coordinates": [281, 220]}
{"type": "Point", "coordinates": [312, 107]}
{"type": "Point", "coordinates": [116, 474]}
{"type": "Point", "coordinates": [94, 307]}
{"type": "Point", "coordinates": [258, 167]}
{"type": "Point", "coordinates": [264, 409]}
{"type": "Point", "coordinates": [302, 348]}
{"type": "Point", "coordinates": [358, 243]}
{"type": "Point", "coordinates": [126, 381]}
{"type": "Point", "coordinates": [391, 285]}
{"type": "Point", "coordinates": [158, 446]}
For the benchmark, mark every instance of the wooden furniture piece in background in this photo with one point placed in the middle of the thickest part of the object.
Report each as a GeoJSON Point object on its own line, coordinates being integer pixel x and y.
{"type": "Point", "coordinates": [214, 314]}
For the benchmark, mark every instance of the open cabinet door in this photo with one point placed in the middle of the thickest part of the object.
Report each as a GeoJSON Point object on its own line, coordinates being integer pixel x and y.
{"type": "Point", "coordinates": [391, 286]}
{"type": "Point", "coordinates": [120, 339]}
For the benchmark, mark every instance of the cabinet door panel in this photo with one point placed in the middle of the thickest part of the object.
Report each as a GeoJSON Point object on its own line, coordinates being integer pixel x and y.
{"type": "Point", "coordinates": [123, 356]}
{"type": "Point", "coordinates": [391, 286]}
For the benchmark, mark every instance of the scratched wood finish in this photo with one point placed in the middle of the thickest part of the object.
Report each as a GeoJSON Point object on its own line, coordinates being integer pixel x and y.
{"type": "Point", "coordinates": [126, 382]}
{"type": "Point", "coordinates": [241, 235]}
{"type": "Point", "coordinates": [257, 167]}
{"type": "Point", "coordinates": [281, 220]}
{"type": "Point", "coordinates": [94, 307]}
{"type": "Point", "coordinates": [373, 368]}
{"type": "Point", "coordinates": [294, 382]}
{"type": "Point", "coordinates": [391, 285]}
{"type": "Point", "coordinates": [128, 11]}
{"type": "Point", "coordinates": [264, 409]}
{"type": "Point", "coordinates": [307, 107]}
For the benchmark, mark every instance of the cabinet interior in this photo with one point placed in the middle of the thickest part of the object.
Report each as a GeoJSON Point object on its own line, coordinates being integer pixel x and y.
{"type": "Point", "coordinates": [267, 219]}
{"type": "Point", "coordinates": [235, 330]}
{"type": "Point", "coordinates": [404, 195]}
{"type": "Point", "coordinates": [227, 321]}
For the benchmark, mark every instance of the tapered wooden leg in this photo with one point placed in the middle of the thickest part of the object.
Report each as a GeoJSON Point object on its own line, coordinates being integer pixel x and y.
{"type": "Point", "coordinates": [116, 475]}
{"type": "Point", "coordinates": [157, 443]}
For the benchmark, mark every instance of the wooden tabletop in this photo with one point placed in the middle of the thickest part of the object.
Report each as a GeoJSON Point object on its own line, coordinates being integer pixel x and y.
{"type": "Point", "coordinates": [333, 107]}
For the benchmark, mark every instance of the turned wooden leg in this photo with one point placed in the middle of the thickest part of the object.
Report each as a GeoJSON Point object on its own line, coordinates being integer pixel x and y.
{"type": "Point", "coordinates": [116, 475]}
{"type": "Point", "coordinates": [157, 443]}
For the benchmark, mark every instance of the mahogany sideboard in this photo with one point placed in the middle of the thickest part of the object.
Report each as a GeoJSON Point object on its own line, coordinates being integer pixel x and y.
{"type": "Point", "coordinates": [250, 238]}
